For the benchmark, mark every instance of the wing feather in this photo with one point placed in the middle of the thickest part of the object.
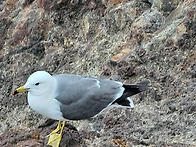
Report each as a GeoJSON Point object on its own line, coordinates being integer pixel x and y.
{"type": "Point", "coordinates": [83, 97]}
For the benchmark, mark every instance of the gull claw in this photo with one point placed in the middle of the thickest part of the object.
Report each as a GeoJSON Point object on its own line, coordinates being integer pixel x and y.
{"type": "Point", "coordinates": [54, 137]}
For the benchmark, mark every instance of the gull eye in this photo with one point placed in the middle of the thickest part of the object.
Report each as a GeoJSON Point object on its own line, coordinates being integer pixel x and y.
{"type": "Point", "coordinates": [36, 84]}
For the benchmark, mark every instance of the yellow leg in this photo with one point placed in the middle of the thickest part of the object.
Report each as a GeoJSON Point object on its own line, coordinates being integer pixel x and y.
{"type": "Point", "coordinates": [54, 137]}
{"type": "Point", "coordinates": [56, 130]}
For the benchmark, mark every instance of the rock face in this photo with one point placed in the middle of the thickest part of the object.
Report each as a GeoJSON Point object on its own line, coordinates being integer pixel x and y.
{"type": "Point", "coordinates": [125, 40]}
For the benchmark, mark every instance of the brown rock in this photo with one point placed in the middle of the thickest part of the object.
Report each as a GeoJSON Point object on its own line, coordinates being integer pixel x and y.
{"type": "Point", "coordinates": [145, 39]}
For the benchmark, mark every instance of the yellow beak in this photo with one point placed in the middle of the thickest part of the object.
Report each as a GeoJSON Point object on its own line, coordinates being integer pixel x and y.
{"type": "Point", "coordinates": [19, 90]}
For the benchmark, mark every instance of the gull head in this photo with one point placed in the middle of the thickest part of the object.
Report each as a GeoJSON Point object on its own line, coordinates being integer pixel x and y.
{"type": "Point", "coordinates": [39, 83]}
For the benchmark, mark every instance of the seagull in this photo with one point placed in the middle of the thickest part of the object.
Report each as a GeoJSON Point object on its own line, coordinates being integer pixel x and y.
{"type": "Point", "coordinates": [74, 97]}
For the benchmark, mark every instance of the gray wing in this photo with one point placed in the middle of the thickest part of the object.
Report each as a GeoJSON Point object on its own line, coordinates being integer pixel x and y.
{"type": "Point", "coordinates": [84, 97]}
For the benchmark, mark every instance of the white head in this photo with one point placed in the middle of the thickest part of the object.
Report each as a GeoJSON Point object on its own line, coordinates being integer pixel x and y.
{"type": "Point", "coordinates": [41, 88]}
{"type": "Point", "coordinates": [39, 82]}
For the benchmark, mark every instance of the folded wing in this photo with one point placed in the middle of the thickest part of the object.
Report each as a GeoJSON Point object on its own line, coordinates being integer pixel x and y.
{"type": "Point", "coordinates": [84, 97]}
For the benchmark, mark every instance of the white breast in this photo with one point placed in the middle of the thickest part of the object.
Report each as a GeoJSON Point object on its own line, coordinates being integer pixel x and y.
{"type": "Point", "coordinates": [48, 107]}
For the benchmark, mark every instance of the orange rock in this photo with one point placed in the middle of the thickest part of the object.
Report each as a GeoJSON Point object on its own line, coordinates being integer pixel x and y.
{"type": "Point", "coordinates": [121, 55]}
{"type": "Point", "coordinates": [10, 4]}
{"type": "Point", "coordinates": [116, 2]}
{"type": "Point", "coordinates": [120, 142]}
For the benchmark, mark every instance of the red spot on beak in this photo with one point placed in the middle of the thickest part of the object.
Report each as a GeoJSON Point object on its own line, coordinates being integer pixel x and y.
{"type": "Point", "coordinates": [14, 92]}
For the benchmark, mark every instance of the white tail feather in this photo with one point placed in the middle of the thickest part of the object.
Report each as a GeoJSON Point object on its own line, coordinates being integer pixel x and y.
{"type": "Point", "coordinates": [130, 102]}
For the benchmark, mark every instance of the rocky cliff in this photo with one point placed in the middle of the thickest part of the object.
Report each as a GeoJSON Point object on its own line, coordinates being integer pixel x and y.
{"type": "Point", "coordinates": [125, 40]}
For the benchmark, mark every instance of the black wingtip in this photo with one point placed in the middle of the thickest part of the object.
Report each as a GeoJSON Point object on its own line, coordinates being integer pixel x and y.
{"type": "Point", "coordinates": [143, 85]}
